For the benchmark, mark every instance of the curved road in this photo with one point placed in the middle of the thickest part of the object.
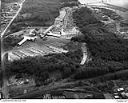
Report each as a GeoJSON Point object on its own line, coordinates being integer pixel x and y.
{"type": "Point", "coordinates": [84, 50]}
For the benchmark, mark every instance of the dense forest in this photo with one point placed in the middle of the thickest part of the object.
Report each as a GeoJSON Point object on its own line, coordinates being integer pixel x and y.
{"type": "Point", "coordinates": [109, 52]}
{"type": "Point", "coordinates": [42, 67]}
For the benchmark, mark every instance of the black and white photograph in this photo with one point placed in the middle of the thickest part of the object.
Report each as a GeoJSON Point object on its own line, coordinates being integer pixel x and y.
{"type": "Point", "coordinates": [64, 49]}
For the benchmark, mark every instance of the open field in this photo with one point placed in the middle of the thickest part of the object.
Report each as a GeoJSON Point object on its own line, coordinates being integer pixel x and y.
{"type": "Point", "coordinates": [39, 12]}
{"type": "Point", "coordinates": [40, 47]}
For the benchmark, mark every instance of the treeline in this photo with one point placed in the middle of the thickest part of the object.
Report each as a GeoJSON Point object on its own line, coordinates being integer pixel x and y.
{"type": "Point", "coordinates": [99, 67]}
{"type": "Point", "coordinates": [109, 53]}
{"type": "Point", "coordinates": [113, 50]}
{"type": "Point", "coordinates": [41, 67]}
{"type": "Point", "coordinates": [101, 43]}
{"type": "Point", "coordinates": [69, 3]}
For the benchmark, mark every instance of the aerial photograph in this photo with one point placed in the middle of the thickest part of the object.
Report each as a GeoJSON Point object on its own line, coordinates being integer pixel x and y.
{"type": "Point", "coordinates": [64, 49]}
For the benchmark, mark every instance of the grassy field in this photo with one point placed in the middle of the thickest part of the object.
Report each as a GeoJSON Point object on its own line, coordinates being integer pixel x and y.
{"type": "Point", "coordinates": [39, 12]}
